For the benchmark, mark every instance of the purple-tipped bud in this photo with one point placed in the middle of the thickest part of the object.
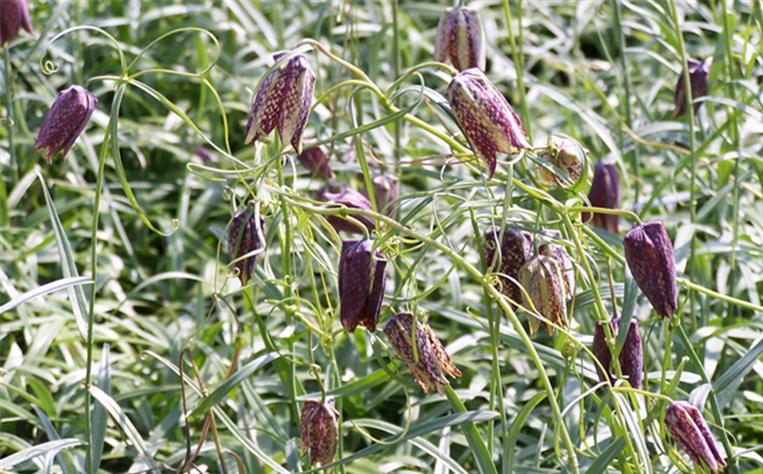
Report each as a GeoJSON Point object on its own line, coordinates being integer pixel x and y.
{"type": "Point", "coordinates": [245, 240]}
{"type": "Point", "coordinates": [631, 356]}
{"type": "Point", "coordinates": [386, 190]}
{"type": "Point", "coordinates": [460, 37]}
{"type": "Point", "coordinates": [565, 265]}
{"type": "Point", "coordinates": [568, 158]}
{"type": "Point", "coordinates": [506, 259]}
{"type": "Point", "coordinates": [317, 162]}
{"type": "Point", "coordinates": [699, 72]}
{"type": "Point", "coordinates": [429, 363]}
{"type": "Point", "coordinates": [320, 433]}
{"type": "Point", "coordinates": [605, 192]}
{"type": "Point", "coordinates": [283, 102]}
{"type": "Point", "coordinates": [347, 197]}
{"type": "Point", "coordinates": [362, 277]}
{"type": "Point", "coordinates": [688, 427]}
{"type": "Point", "coordinates": [485, 116]}
{"type": "Point", "coordinates": [65, 121]}
{"type": "Point", "coordinates": [542, 279]}
{"type": "Point", "coordinates": [649, 254]}
{"type": "Point", "coordinates": [14, 15]}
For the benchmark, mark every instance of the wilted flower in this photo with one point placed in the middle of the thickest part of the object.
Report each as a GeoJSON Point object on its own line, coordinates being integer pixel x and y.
{"type": "Point", "coordinates": [460, 37]}
{"type": "Point", "coordinates": [14, 15]}
{"type": "Point", "coordinates": [319, 431]}
{"type": "Point", "coordinates": [542, 279]}
{"type": "Point", "coordinates": [650, 258]}
{"type": "Point", "coordinates": [317, 162]}
{"type": "Point", "coordinates": [245, 237]}
{"type": "Point", "coordinates": [699, 72]}
{"type": "Point", "coordinates": [685, 423]}
{"type": "Point", "coordinates": [428, 362]}
{"type": "Point", "coordinates": [65, 121]}
{"type": "Point", "coordinates": [362, 276]}
{"type": "Point", "coordinates": [631, 355]}
{"type": "Point", "coordinates": [605, 192]}
{"type": "Point", "coordinates": [569, 159]}
{"type": "Point", "coordinates": [348, 197]}
{"type": "Point", "coordinates": [516, 248]}
{"type": "Point", "coordinates": [485, 116]}
{"type": "Point", "coordinates": [283, 102]}
{"type": "Point", "coordinates": [386, 190]}
{"type": "Point", "coordinates": [565, 265]}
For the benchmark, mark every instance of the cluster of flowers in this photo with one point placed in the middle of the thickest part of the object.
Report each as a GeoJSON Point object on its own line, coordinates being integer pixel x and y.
{"type": "Point", "coordinates": [542, 282]}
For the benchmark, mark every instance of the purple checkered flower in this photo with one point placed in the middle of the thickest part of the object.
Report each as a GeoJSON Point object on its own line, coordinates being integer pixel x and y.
{"type": "Point", "coordinates": [604, 192]}
{"type": "Point", "coordinates": [460, 37]}
{"type": "Point", "coordinates": [649, 254]}
{"type": "Point", "coordinates": [65, 121]}
{"type": "Point", "coordinates": [347, 197]}
{"type": "Point", "coordinates": [631, 355]}
{"type": "Point", "coordinates": [699, 73]}
{"type": "Point", "coordinates": [688, 427]}
{"type": "Point", "coordinates": [320, 433]}
{"type": "Point", "coordinates": [362, 277]}
{"type": "Point", "coordinates": [245, 239]}
{"type": "Point", "coordinates": [14, 15]}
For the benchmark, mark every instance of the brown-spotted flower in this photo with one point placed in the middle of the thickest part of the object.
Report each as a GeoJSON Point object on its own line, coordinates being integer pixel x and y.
{"type": "Point", "coordinates": [14, 15]}
{"type": "Point", "coordinates": [245, 240]}
{"type": "Point", "coordinates": [688, 427]}
{"type": "Point", "coordinates": [542, 279]}
{"type": "Point", "coordinates": [65, 121]}
{"type": "Point", "coordinates": [649, 254]}
{"type": "Point", "coordinates": [362, 277]}
{"type": "Point", "coordinates": [506, 257]}
{"type": "Point", "coordinates": [460, 37]}
{"type": "Point", "coordinates": [320, 433]}
{"type": "Point", "coordinates": [631, 356]}
{"type": "Point", "coordinates": [347, 197]}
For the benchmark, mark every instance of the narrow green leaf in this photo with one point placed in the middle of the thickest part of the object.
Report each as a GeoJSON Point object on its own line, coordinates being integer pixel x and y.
{"type": "Point", "coordinates": [44, 449]}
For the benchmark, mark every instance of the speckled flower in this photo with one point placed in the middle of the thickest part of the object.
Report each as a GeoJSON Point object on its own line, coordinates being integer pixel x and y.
{"type": "Point", "coordinates": [65, 121]}
{"type": "Point", "coordinates": [362, 277]}
{"type": "Point", "coordinates": [386, 190]}
{"type": "Point", "coordinates": [631, 356]}
{"type": "Point", "coordinates": [604, 192]}
{"type": "Point", "coordinates": [283, 102]}
{"type": "Point", "coordinates": [347, 197]}
{"type": "Point", "coordinates": [649, 254]}
{"type": "Point", "coordinates": [316, 161]}
{"type": "Point", "coordinates": [460, 37]}
{"type": "Point", "coordinates": [688, 427]}
{"type": "Point", "coordinates": [568, 158]}
{"type": "Point", "coordinates": [429, 363]}
{"type": "Point", "coordinates": [542, 279]}
{"type": "Point", "coordinates": [565, 265]}
{"type": "Point", "coordinates": [485, 117]}
{"type": "Point", "coordinates": [245, 238]}
{"type": "Point", "coordinates": [14, 15]}
{"type": "Point", "coordinates": [320, 433]}
{"type": "Point", "coordinates": [699, 73]}
{"type": "Point", "coordinates": [506, 259]}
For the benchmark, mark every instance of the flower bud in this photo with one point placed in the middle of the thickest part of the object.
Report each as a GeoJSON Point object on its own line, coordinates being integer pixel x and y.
{"type": "Point", "coordinates": [699, 72]}
{"type": "Point", "coordinates": [14, 15]}
{"type": "Point", "coordinates": [485, 116]}
{"type": "Point", "coordinates": [516, 248]}
{"type": "Point", "coordinates": [650, 258]}
{"type": "Point", "coordinates": [283, 102]}
{"type": "Point", "coordinates": [631, 355]}
{"type": "Point", "coordinates": [429, 362]}
{"type": "Point", "coordinates": [245, 237]}
{"type": "Point", "coordinates": [542, 279]}
{"type": "Point", "coordinates": [65, 121]}
{"type": "Point", "coordinates": [604, 192]}
{"type": "Point", "coordinates": [362, 277]}
{"type": "Point", "coordinates": [317, 162]}
{"type": "Point", "coordinates": [565, 265]}
{"type": "Point", "coordinates": [460, 37]}
{"type": "Point", "coordinates": [320, 433]}
{"type": "Point", "coordinates": [685, 423]}
{"type": "Point", "coordinates": [347, 197]}
{"type": "Point", "coordinates": [568, 158]}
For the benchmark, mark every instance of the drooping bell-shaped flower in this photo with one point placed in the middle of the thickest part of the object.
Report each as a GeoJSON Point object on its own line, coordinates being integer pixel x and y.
{"type": "Point", "coordinates": [14, 15]}
{"type": "Point", "coordinates": [460, 38]}
{"type": "Point", "coordinates": [347, 197]}
{"type": "Point", "coordinates": [699, 73]}
{"type": "Point", "coordinates": [542, 279]}
{"type": "Point", "coordinates": [429, 363]}
{"type": "Point", "coordinates": [688, 427]}
{"type": "Point", "coordinates": [65, 121]}
{"type": "Point", "coordinates": [565, 265]}
{"type": "Point", "coordinates": [362, 277]}
{"type": "Point", "coordinates": [631, 356]}
{"type": "Point", "coordinates": [506, 257]}
{"type": "Point", "coordinates": [320, 433]}
{"type": "Point", "coordinates": [604, 192]}
{"type": "Point", "coordinates": [245, 240]}
{"type": "Point", "coordinates": [283, 102]}
{"type": "Point", "coordinates": [317, 162]}
{"type": "Point", "coordinates": [386, 190]}
{"type": "Point", "coordinates": [650, 257]}
{"type": "Point", "coordinates": [568, 158]}
{"type": "Point", "coordinates": [485, 117]}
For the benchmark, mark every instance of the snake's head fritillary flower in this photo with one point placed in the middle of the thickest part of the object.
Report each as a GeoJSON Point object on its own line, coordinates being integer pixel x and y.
{"type": "Point", "coordinates": [506, 257]}
{"type": "Point", "coordinates": [565, 265]}
{"type": "Point", "coordinates": [14, 15]}
{"type": "Point", "coordinates": [699, 73]}
{"type": "Point", "coordinates": [317, 162]}
{"type": "Point", "coordinates": [604, 192]}
{"type": "Point", "coordinates": [485, 117]}
{"type": "Point", "coordinates": [347, 197]}
{"type": "Point", "coordinates": [689, 428]}
{"type": "Point", "coordinates": [362, 277]}
{"type": "Point", "coordinates": [245, 240]}
{"type": "Point", "coordinates": [386, 190]}
{"type": "Point", "coordinates": [460, 38]}
{"type": "Point", "coordinates": [428, 362]}
{"type": "Point", "coordinates": [631, 355]}
{"type": "Point", "coordinates": [65, 121]}
{"type": "Point", "coordinates": [650, 257]}
{"type": "Point", "coordinates": [568, 158]}
{"type": "Point", "coordinates": [542, 279]}
{"type": "Point", "coordinates": [283, 102]}
{"type": "Point", "coordinates": [320, 433]}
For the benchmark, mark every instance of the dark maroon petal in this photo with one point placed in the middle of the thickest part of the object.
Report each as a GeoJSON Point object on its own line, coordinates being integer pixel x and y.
{"type": "Point", "coordinates": [601, 351]}
{"type": "Point", "coordinates": [245, 236]}
{"type": "Point", "coordinates": [699, 73]}
{"type": "Point", "coordinates": [347, 197]}
{"type": "Point", "coordinates": [516, 249]}
{"type": "Point", "coordinates": [355, 280]}
{"type": "Point", "coordinates": [14, 15]}
{"type": "Point", "coordinates": [632, 356]}
{"type": "Point", "coordinates": [317, 162]}
{"type": "Point", "coordinates": [319, 431]}
{"type": "Point", "coordinates": [684, 421]}
{"type": "Point", "coordinates": [649, 254]}
{"type": "Point", "coordinates": [604, 192]}
{"type": "Point", "coordinates": [64, 123]}
{"type": "Point", "coordinates": [371, 310]}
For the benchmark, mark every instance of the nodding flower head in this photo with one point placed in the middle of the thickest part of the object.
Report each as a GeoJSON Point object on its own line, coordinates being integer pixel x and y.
{"type": "Point", "coordinates": [650, 257]}
{"type": "Point", "coordinates": [570, 160]}
{"type": "Point", "coordinates": [460, 38]}
{"type": "Point", "coordinates": [688, 427]}
{"type": "Point", "coordinates": [699, 73]}
{"type": "Point", "coordinates": [65, 121]}
{"type": "Point", "coordinates": [320, 433]}
{"type": "Point", "coordinates": [317, 162]}
{"type": "Point", "coordinates": [542, 279]}
{"type": "Point", "coordinates": [14, 15]}
{"type": "Point", "coordinates": [362, 277]}
{"type": "Point", "coordinates": [604, 192]}
{"type": "Point", "coordinates": [565, 265]}
{"type": "Point", "coordinates": [631, 355]}
{"type": "Point", "coordinates": [485, 116]}
{"type": "Point", "coordinates": [283, 102]}
{"type": "Point", "coordinates": [386, 190]}
{"type": "Point", "coordinates": [506, 257]}
{"type": "Point", "coordinates": [245, 239]}
{"type": "Point", "coordinates": [347, 197]}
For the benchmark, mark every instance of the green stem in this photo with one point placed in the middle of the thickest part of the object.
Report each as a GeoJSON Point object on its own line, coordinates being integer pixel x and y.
{"type": "Point", "coordinates": [517, 56]}
{"type": "Point", "coordinates": [9, 112]}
